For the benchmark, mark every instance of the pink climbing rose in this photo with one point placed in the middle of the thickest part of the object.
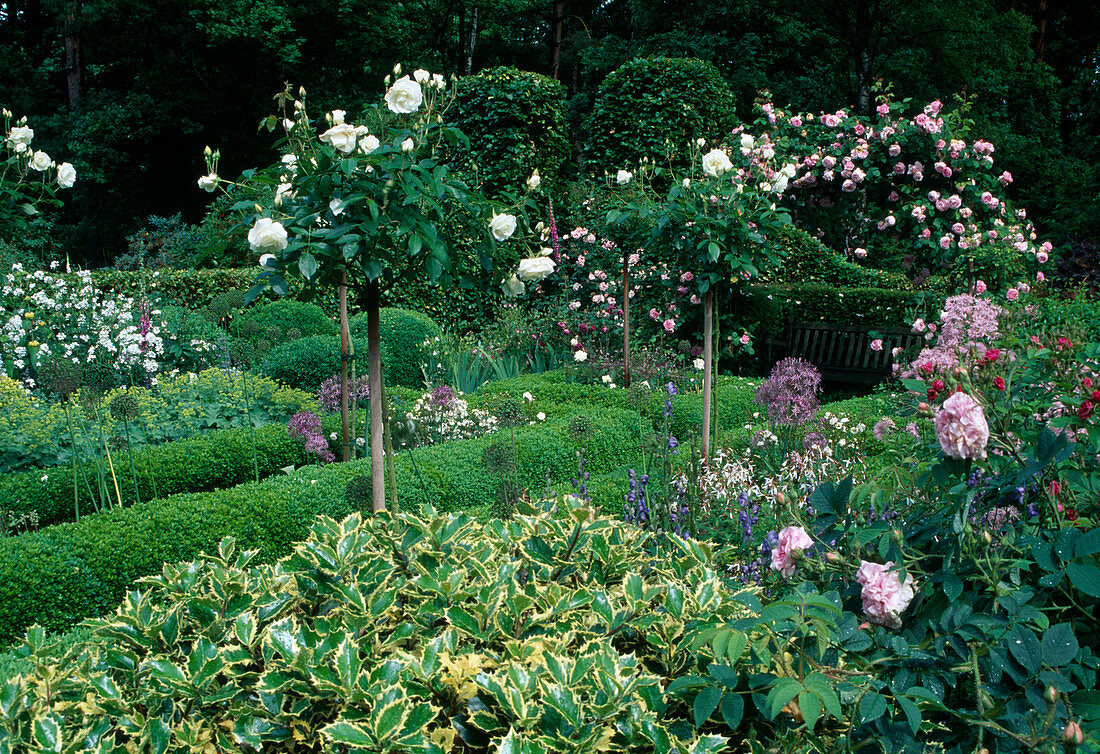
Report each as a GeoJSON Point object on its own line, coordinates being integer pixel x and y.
{"type": "Point", "coordinates": [884, 595]}
{"type": "Point", "coordinates": [961, 427]}
{"type": "Point", "coordinates": [791, 540]}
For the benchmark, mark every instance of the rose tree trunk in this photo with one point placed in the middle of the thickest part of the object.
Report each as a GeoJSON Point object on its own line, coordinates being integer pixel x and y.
{"type": "Point", "coordinates": [374, 361]}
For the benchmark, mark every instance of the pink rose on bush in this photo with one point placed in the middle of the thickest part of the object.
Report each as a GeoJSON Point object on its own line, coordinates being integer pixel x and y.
{"type": "Point", "coordinates": [961, 427]}
{"type": "Point", "coordinates": [792, 539]}
{"type": "Point", "coordinates": [885, 597]}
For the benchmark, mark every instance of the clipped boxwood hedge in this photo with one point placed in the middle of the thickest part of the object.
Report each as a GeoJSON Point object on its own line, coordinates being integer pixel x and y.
{"type": "Point", "coordinates": [402, 332]}
{"type": "Point", "coordinates": [63, 574]}
{"type": "Point", "coordinates": [217, 459]}
{"type": "Point", "coordinates": [807, 260]}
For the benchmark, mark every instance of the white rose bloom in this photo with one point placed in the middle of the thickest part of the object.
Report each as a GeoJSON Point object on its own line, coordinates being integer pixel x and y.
{"type": "Point", "coordinates": [421, 76]}
{"type": "Point", "coordinates": [534, 181]}
{"type": "Point", "coordinates": [541, 415]}
{"type": "Point", "coordinates": [208, 183]}
{"type": "Point", "coordinates": [20, 138]}
{"type": "Point", "coordinates": [623, 177]}
{"type": "Point", "coordinates": [267, 236]}
{"type": "Point", "coordinates": [503, 226]}
{"type": "Point", "coordinates": [291, 162]}
{"type": "Point", "coordinates": [342, 137]}
{"type": "Point", "coordinates": [528, 397]}
{"type": "Point", "coordinates": [716, 162]}
{"type": "Point", "coordinates": [747, 141]}
{"type": "Point", "coordinates": [780, 183]}
{"type": "Point", "coordinates": [534, 270]}
{"type": "Point", "coordinates": [699, 364]}
{"type": "Point", "coordinates": [513, 286]}
{"type": "Point", "coordinates": [767, 153]}
{"type": "Point", "coordinates": [288, 124]}
{"type": "Point", "coordinates": [405, 96]}
{"type": "Point", "coordinates": [407, 146]}
{"type": "Point", "coordinates": [546, 251]}
{"type": "Point", "coordinates": [338, 117]}
{"type": "Point", "coordinates": [606, 379]}
{"type": "Point", "coordinates": [789, 170]}
{"type": "Point", "coordinates": [686, 182]}
{"type": "Point", "coordinates": [438, 81]}
{"type": "Point", "coordinates": [580, 356]}
{"type": "Point", "coordinates": [41, 161]}
{"type": "Point", "coordinates": [66, 175]}
{"type": "Point", "coordinates": [265, 258]}
{"type": "Point", "coordinates": [369, 143]}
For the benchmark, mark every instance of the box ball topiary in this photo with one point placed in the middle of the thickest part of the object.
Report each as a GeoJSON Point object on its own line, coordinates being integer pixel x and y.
{"type": "Point", "coordinates": [402, 332]}
{"type": "Point", "coordinates": [285, 316]}
{"type": "Point", "coordinates": [519, 120]}
{"type": "Point", "coordinates": [307, 362]}
{"type": "Point", "coordinates": [650, 107]}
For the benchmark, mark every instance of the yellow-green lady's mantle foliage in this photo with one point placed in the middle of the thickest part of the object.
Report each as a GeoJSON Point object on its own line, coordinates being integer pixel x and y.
{"type": "Point", "coordinates": [551, 632]}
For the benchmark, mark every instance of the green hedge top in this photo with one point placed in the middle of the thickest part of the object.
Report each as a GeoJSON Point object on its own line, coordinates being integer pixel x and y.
{"type": "Point", "coordinates": [194, 289]}
{"type": "Point", "coordinates": [518, 119]}
{"type": "Point", "coordinates": [806, 260]}
{"type": "Point", "coordinates": [653, 106]}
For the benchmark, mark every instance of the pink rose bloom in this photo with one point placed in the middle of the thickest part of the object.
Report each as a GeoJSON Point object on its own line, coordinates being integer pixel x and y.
{"type": "Point", "coordinates": [1040, 277]}
{"type": "Point", "coordinates": [792, 539]}
{"type": "Point", "coordinates": [918, 325]}
{"type": "Point", "coordinates": [895, 150]}
{"type": "Point", "coordinates": [687, 277]}
{"type": "Point", "coordinates": [885, 597]}
{"type": "Point", "coordinates": [958, 229]}
{"type": "Point", "coordinates": [654, 314]}
{"type": "Point", "coordinates": [945, 242]}
{"type": "Point", "coordinates": [979, 287]}
{"type": "Point", "coordinates": [1041, 257]}
{"type": "Point", "coordinates": [745, 339]}
{"type": "Point", "coordinates": [883, 109]}
{"type": "Point", "coordinates": [796, 122]}
{"type": "Point", "coordinates": [695, 299]}
{"type": "Point", "coordinates": [670, 325]}
{"type": "Point", "coordinates": [876, 344]}
{"type": "Point", "coordinates": [1006, 178]}
{"type": "Point", "coordinates": [848, 186]}
{"type": "Point", "coordinates": [829, 161]}
{"type": "Point", "coordinates": [961, 427]}
{"type": "Point", "coordinates": [1012, 294]}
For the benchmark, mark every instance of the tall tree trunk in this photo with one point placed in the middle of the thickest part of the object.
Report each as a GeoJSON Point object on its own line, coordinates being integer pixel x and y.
{"type": "Point", "coordinates": [374, 367]}
{"type": "Point", "coordinates": [708, 366]}
{"type": "Point", "coordinates": [72, 57]}
{"type": "Point", "coordinates": [345, 343]}
{"type": "Point", "coordinates": [555, 38]}
{"type": "Point", "coordinates": [471, 41]}
{"type": "Point", "coordinates": [387, 443]}
{"type": "Point", "coordinates": [626, 319]}
{"type": "Point", "coordinates": [1041, 46]}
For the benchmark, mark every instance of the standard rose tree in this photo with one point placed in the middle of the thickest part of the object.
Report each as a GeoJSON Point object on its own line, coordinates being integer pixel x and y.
{"type": "Point", "coordinates": [367, 203]}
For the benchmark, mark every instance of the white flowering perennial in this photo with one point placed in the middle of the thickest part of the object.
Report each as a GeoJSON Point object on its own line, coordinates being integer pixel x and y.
{"type": "Point", "coordinates": [48, 315]}
{"type": "Point", "coordinates": [442, 414]}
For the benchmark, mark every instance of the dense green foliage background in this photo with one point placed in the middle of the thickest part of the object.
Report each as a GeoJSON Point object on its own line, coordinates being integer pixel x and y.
{"type": "Point", "coordinates": [157, 81]}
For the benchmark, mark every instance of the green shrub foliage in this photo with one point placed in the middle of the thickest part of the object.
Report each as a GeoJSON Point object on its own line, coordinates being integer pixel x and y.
{"type": "Point", "coordinates": [807, 260]}
{"type": "Point", "coordinates": [59, 576]}
{"type": "Point", "coordinates": [193, 289]}
{"type": "Point", "coordinates": [307, 362]}
{"type": "Point", "coordinates": [403, 331]}
{"type": "Point", "coordinates": [651, 107]}
{"type": "Point", "coordinates": [399, 633]}
{"type": "Point", "coordinates": [286, 319]}
{"type": "Point", "coordinates": [518, 118]}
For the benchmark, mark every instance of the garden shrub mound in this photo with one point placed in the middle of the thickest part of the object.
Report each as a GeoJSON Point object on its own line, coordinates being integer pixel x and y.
{"type": "Point", "coordinates": [519, 120]}
{"type": "Point", "coordinates": [651, 107]}
{"type": "Point", "coordinates": [807, 260]}
{"type": "Point", "coordinates": [307, 362]}
{"type": "Point", "coordinates": [414, 632]}
{"type": "Point", "coordinates": [285, 319]}
{"type": "Point", "coordinates": [403, 334]}
{"type": "Point", "coordinates": [217, 459]}
{"type": "Point", "coordinates": [61, 575]}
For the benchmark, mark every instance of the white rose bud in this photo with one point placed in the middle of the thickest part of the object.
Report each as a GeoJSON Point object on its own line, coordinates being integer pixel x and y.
{"type": "Point", "coordinates": [747, 142]}
{"type": "Point", "coordinates": [265, 258]}
{"type": "Point", "coordinates": [700, 142]}
{"type": "Point", "coordinates": [282, 193]}
{"type": "Point", "coordinates": [397, 70]}
{"type": "Point", "coordinates": [623, 177]}
{"type": "Point", "coordinates": [716, 162]}
{"type": "Point", "coordinates": [288, 124]}
{"type": "Point", "coordinates": [66, 175]}
{"type": "Point", "coordinates": [342, 137]}
{"type": "Point", "coordinates": [421, 76]}
{"type": "Point", "coordinates": [369, 143]}
{"type": "Point", "coordinates": [438, 81]}
{"type": "Point", "coordinates": [503, 226]}
{"type": "Point", "coordinates": [534, 181]}
{"type": "Point", "coordinates": [513, 286]}
{"type": "Point", "coordinates": [407, 146]}
{"type": "Point", "coordinates": [41, 161]}
{"type": "Point", "coordinates": [208, 183]}
{"type": "Point", "coordinates": [405, 96]}
{"type": "Point", "coordinates": [686, 182]}
{"type": "Point", "coordinates": [534, 270]}
{"type": "Point", "coordinates": [338, 117]}
{"type": "Point", "coordinates": [267, 236]}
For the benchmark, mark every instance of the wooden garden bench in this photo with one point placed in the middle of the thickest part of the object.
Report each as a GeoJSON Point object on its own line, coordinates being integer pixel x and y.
{"type": "Point", "coordinates": [842, 353]}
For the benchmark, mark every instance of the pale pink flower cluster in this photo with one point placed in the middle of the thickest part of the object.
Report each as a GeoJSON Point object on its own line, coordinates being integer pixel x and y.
{"type": "Point", "coordinates": [792, 539]}
{"type": "Point", "coordinates": [961, 427]}
{"type": "Point", "coordinates": [884, 595]}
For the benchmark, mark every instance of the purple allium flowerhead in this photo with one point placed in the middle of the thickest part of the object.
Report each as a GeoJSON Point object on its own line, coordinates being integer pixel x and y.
{"type": "Point", "coordinates": [303, 424]}
{"type": "Point", "coordinates": [329, 393]}
{"type": "Point", "coordinates": [444, 395]}
{"type": "Point", "coordinates": [790, 392]}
